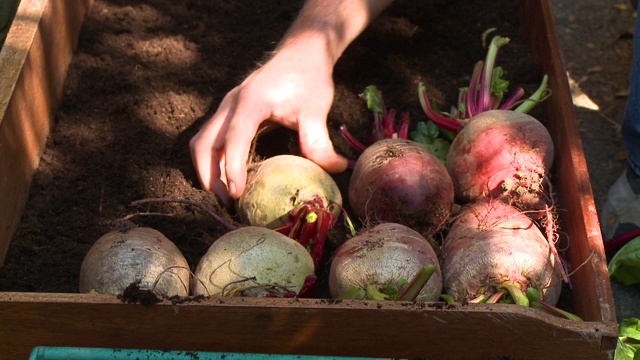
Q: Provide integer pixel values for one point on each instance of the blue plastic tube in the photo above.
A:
(82, 353)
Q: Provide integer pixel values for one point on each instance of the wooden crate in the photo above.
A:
(34, 62)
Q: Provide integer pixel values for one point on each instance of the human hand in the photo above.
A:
(294, 89)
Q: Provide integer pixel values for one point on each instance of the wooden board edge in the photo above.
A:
(16, 47)
(34, 59)
(593, 297)
(297, 326)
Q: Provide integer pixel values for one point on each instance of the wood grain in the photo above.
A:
(592, 295)
(34, 61)
(296, 326)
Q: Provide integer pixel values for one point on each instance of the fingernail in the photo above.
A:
(232, 188)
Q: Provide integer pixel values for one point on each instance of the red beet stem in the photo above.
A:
(493, 299)
(307, 230)
(619, 241)
(309, 224)
(351, 139)
(472, 106)
(403, 129)
(435, 116)
(308, 287)
(513, 99)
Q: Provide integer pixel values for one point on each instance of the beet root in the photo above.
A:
(502, 154)
(397, 180)
(385, 257)
(493, 248)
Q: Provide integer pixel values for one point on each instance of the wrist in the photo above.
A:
(308, 48)
(329, 26)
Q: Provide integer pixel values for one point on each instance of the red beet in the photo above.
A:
(493, 250)
(397, 180)
(502, 154)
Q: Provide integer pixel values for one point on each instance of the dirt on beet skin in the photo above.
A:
(147, 74)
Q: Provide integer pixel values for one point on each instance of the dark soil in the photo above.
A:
(145, 76)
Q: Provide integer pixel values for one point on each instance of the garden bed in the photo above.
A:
(143, 79)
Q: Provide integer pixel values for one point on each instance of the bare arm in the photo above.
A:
(335, 22)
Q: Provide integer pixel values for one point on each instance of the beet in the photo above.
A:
(397, 180)
(493, 249)
(502, 154)
(256, 262)
(293, 196)
(383, 259)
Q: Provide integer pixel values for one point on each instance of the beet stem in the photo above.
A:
(436, 117)
(351, 139)
(535, 98)
(516, 293)
(378, 133)
(418, 282)
(374, 294)
(471, 97)
(309, 224)
(478, 299)
(513, 99)
(306, 231)
(461, 110)
(618, 241)
(324, 222)
(308, 287)
(403, 129)
(410, 293)
(493, 299)
(486, 78)
(388, 124)
(549, 309)
(353, 293)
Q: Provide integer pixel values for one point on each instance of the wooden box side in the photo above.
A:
(299, 327)
(34, 61)
(592, 295)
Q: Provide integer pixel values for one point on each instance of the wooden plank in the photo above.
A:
(592, 295)
(34, 61)
(296, 326)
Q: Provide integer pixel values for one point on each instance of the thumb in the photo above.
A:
(316, 146)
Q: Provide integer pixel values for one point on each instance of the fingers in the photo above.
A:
(207, 151)
(242, 129)
(221, 148)
(316, 145)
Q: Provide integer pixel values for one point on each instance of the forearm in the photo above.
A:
(332, 24)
